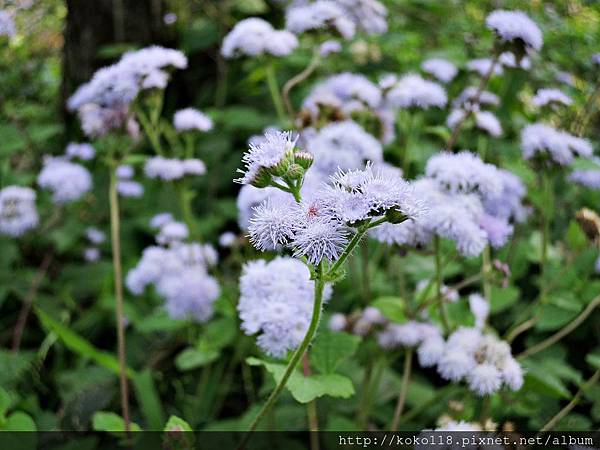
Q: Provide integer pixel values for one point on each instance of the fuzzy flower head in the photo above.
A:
(414, 91)
(442, 69)
(552, 97)
(95, 236)
(103, 102)
(545, 142)
(169, 169)
(343, 145)
(515, 28)
(172, 233)
(321, 14)
(368, 15)
(267, 157)
(589, 178)
(191, 119)
(482, 66)
(18, 213)
(255, 37)
(468, 99)
(463, 172)
(7, 24)
(482, 360)
(82, 151)
(276, 301)
(179, 275)
(66, 180)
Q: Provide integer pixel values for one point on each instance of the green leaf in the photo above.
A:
(19, 421)
(593, 359)
(392, 308)
(305, 389)
(5, 402)
(149, 400)
(251, 7)
(159, 321)
(576, 237)
(13, 366)
(111, 422)
(543, 382)
(553, 317)
(192, 358)
(177, 424)
(329, 349)
(219, 333)
(79, 345)
(503, 298)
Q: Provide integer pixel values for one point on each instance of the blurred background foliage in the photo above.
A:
(64, 371)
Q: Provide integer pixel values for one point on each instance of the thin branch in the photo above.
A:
(299, 78)
(482, 84)
(571, 326)
(403, 389)
(28, 301)
(567, 409)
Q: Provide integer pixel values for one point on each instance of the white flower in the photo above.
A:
(18, 213)
(515, 27)
(440, 68)
(68, 181)
(255, 37)
(544, 97)
(413, 91)
(191, 119)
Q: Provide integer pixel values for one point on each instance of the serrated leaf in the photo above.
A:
(111, 422)
(392, 308)
(305, 389)
(329, 349)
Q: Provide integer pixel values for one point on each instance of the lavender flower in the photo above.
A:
(482, 66)
(344, 145)
(463, 172)
(276, 300)
(466, 99)
(441, 69)
(18, 213)
(179, 275)
(273, 150)
(83, 151)
(251, 197)
(480, 308)
(191, 119)
(91, 254)
(586, 178)
(272, 225)
(95, 236)
(320, 239)
(482, 360)
(413, 91)
(227, 239)
(172, 233)
(254, 37)
(508, 59)
(160, 220)
(68, 181)
(545, 97)
(540, 140)
(130, 189)
(319, 15)
(329, 47)
(516, 28)
(369, 15)
(7, 24)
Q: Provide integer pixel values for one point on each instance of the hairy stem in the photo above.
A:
(296, 356)
(275, 95)
(299, 78)
(439, 283)
(403, 389)
(571, 326)
(118, 274)
(351, 246)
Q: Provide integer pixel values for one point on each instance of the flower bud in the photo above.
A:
(304, 159)
(295, 171)
(394, 216)
(262, 178)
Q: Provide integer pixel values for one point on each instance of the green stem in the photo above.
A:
(486, 268)
(275, 94)
(186, 209)
(344, 256)
(403, 389)
(546, 211)
(118, 274)
(439, 283)
(296, 357)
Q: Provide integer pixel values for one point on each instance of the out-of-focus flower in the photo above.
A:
(191, 119)
(255, 37)
(321, 14)
(413, 91)
(516, 28)
(544, 97)
(68, 181)
(442, 69)
(18, 213)
(83, 151)
(541, 140)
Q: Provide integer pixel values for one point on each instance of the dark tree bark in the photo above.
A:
(92, 24)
